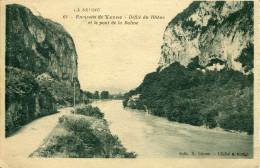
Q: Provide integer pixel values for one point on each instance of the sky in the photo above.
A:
(112, 57)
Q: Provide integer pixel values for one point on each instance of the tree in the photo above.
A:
(104, 95)
(96, 95)
(247, 57)
(194, 63)
(89, 94)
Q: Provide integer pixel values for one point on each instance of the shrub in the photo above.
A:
(90, 111)
(246, 57)
(78, 136)
(25, 100)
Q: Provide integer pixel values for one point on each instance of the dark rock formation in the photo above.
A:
(43, 52)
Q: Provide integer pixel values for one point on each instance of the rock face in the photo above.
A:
(40, 45)
(205, 75)
(210, 30)
(41, 67)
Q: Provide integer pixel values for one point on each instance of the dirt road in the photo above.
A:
(30, 136)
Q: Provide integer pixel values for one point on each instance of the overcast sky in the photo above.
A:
(113, 57)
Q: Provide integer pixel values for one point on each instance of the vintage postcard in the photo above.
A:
(129, 83)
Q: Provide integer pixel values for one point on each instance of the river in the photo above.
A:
(156, 137)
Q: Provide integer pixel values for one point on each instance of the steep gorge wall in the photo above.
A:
(41, 66)
(205, 75)
(209, 30)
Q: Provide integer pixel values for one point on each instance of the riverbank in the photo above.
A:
(186, 95)
(156, 137)
(216, 129)
(82, 134)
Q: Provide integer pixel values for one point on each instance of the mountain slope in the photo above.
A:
(205, 74)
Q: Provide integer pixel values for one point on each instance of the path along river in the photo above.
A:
(156, 137)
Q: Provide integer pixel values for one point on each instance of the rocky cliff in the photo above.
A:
(213, 30)
(205, 75)
(40, 45)
(41, 66)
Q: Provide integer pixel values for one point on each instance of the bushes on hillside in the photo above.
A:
(62, 91)
(215, 98)
(29, 97)
(24, 100)
(246, 57)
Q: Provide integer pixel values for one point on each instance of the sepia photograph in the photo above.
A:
(132, 84)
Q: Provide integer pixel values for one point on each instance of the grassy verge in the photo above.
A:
(82, 134)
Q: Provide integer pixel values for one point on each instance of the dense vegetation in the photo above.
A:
(246, 58)
(25, 99)
(85, 135)
(90, 111)
(104, 95)
(28, 97)
(96, 95)
(212, 98)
